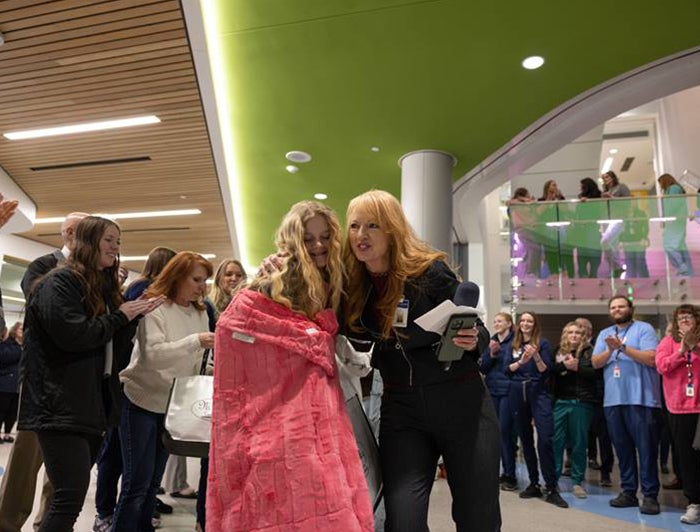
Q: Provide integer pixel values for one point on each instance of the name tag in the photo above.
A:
(690, 390)
(616, 372)
(311, 331)
(401, 314)
(243, 337)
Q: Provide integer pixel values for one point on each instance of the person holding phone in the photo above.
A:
(429, 408)
(528, 367)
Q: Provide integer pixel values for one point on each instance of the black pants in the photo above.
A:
(683, 431)
(598, 436)
(68, 457)
(455, 420)
(8, 410)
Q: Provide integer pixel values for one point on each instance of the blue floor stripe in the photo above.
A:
(598, 503)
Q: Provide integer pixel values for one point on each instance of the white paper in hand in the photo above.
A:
(435, 320)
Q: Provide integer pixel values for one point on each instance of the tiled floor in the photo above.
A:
(592, 514)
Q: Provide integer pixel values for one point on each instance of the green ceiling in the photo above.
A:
(336, 77)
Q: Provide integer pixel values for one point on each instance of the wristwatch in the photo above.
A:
(622, 348)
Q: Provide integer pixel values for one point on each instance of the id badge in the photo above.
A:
(401, 315)
(516, 354)
(616, 372)
(690, 390)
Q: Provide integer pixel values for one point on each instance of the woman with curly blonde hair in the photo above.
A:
(283, 455)
(230, 276)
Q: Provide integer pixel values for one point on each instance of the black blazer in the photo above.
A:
(38, 268)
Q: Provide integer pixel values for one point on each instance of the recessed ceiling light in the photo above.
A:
(533, 62)
(291, 168)
(127, 215)
(612, 151)
(81, 128)
(320, 196)
(297, 156)
(375, 149)
(10, 298)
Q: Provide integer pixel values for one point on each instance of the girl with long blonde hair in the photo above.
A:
(280, 430)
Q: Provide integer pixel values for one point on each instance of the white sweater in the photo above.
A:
(167, 346)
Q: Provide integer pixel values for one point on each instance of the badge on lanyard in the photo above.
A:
(690, 390)
(616, 372)
(516, 353)
(401, 315)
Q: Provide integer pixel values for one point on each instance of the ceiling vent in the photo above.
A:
(626, 165)
(626, 135)
(84, 164)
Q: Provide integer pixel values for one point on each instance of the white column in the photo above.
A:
(426, 195)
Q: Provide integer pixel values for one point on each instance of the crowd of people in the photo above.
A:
(97, 360)
(617, 375)
(590, 239)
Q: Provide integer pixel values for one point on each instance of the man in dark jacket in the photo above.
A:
(19, 481)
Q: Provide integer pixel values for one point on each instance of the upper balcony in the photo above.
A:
(646, 247)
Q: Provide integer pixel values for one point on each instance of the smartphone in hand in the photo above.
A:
(448, 350)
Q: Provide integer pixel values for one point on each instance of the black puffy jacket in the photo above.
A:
(62, 380)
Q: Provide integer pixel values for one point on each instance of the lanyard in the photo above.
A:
(624, 339)
(689, 366)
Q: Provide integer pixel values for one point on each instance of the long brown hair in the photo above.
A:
(666, 181)
(519, 340)
(83, 261)
(409, 257)
(300, 285)
(175, 272)
(685, 309)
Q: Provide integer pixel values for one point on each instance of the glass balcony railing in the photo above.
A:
(647, 247)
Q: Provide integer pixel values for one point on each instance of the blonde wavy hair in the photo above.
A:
(219, 297)
(300, 285)
(409, 257)
(564, 345)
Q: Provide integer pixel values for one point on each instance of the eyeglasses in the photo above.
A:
(685, 317)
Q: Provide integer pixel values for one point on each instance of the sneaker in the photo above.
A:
(592, 464)
(624, 500)
(102, 524)
(605, 481)
(163, 508)
(554, 498)
(155, 523)
(691, 515)
(532, 491)
(650, 506)
(579, 492)
(509, 484)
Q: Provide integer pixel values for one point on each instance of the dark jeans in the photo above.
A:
(8, 410)
(455, 420)
(634, 430)
(109, 469)
(531, 401)
(506, 424)
(144, 458)
(598, 437)
(68, 458)
(683, 431)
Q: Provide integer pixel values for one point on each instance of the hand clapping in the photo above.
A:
(140, 307)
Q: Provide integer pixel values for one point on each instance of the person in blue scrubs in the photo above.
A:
(632, 403)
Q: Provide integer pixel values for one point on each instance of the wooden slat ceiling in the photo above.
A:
(72, 61)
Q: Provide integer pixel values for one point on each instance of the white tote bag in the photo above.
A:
(188, 416)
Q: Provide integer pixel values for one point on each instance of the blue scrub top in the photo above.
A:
(637, 384)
